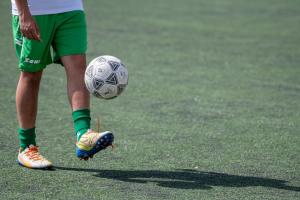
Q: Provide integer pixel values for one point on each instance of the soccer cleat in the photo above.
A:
(92, 142)
(31, 158)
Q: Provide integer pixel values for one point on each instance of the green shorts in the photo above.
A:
(61, 34)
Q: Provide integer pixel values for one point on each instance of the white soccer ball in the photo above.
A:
(106, 77)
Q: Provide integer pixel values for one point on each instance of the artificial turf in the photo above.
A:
(212, 109)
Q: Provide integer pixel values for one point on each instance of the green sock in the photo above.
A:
(82, 122)
(26, 137)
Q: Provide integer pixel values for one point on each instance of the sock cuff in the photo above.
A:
(82, 113)
(26, 132)
(26, 137)
(82, 121)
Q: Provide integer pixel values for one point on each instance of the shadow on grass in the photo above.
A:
(186, 179)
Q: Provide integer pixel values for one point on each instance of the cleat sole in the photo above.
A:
(45, 168)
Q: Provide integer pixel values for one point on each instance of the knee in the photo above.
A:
(32, 77)
(74, 64)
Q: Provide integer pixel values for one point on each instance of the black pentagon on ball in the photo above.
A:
(114, 65)
(97, 83)
(112, 79)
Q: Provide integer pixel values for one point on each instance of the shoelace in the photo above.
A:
(90, 139)
(98, 124)
(33, 153)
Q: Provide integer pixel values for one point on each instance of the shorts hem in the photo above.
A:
(32, 68)
(58, 59)
(72, 53)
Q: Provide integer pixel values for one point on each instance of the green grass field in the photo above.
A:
(212, 109)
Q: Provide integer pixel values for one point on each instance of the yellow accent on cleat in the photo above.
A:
(89, 139)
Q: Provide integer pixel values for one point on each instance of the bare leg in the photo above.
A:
(27, 98)
(27, 104)
(79, 97)
(75, 66)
